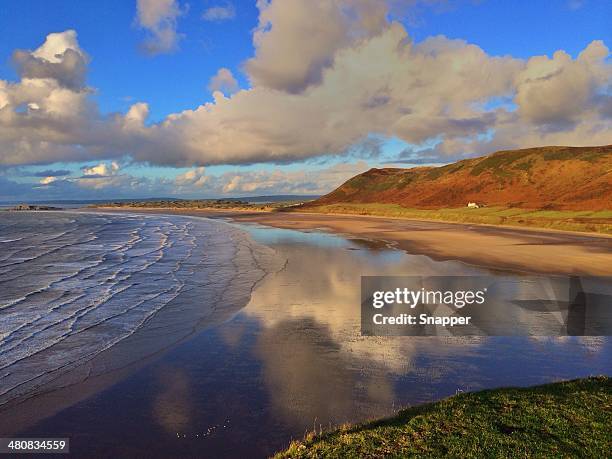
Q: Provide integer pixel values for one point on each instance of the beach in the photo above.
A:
(276, 355)
(329, 228)
(504, 248)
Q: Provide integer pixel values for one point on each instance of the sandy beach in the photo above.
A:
(241, 363)
(503, 248)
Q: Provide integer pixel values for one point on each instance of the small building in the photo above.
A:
(472, 205)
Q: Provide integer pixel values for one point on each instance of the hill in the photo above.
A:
(548, 178)
(566, 419)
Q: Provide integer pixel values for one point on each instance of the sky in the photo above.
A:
(213, 98)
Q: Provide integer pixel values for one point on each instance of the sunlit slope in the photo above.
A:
(564, 178)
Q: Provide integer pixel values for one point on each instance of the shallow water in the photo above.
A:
(73, 285)
(292, 360)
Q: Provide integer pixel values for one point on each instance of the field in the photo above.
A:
(567, 419)
(566, 220)
(202, 204)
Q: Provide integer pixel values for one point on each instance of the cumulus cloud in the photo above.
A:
(47, 180)
(137, 114)
(316, 181)
(256, 182)
(385, 85)
(159, 18)
(101, 170)
(59, 58)
(297, 39)
(102, 175)
(192, 178)
(196, 181)
(326, 76)
(47, 116)
(223, 81)
(103, 181)
(220, 12)
(558, 91)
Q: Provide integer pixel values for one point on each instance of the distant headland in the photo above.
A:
(31, 207)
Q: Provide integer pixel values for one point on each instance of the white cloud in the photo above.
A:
(223, 81)
(297, 39)
(47, 180)
(103, 175)
(192, 178)
(107, 178)
(101, 169)
(220, 12)
(59, 58)
(159, 18)
(118, 183)
(385, 85)
(307, 181)
(561, 90)
(362, 76)
(137, 114)
(239, 182)
(48, 114)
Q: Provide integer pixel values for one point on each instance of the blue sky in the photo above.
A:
(120, 73)
(109, 33)
(174, 82)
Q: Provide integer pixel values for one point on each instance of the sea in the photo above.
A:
(75, 284)
(174, 336)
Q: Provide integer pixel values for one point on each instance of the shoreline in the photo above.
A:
(237, 273)
(532, 250)
(216, 211)
(299, 327)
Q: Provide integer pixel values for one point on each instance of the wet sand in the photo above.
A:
(503, 248)
(291, 361)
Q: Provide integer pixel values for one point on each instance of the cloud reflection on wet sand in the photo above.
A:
(316, 363)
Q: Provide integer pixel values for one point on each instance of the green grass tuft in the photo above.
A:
(497, 162)
(566, 220)
(566, 419)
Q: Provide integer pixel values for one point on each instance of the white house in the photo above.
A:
(472, 205)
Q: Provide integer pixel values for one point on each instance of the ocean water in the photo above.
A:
(73, 285)
(261, 343)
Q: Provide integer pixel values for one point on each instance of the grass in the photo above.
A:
(566, 419)
(567, 220)
(499, 162)
(202, 204)
(585, 221)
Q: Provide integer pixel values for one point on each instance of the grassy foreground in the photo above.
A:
(566, 419)
(566, 220)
